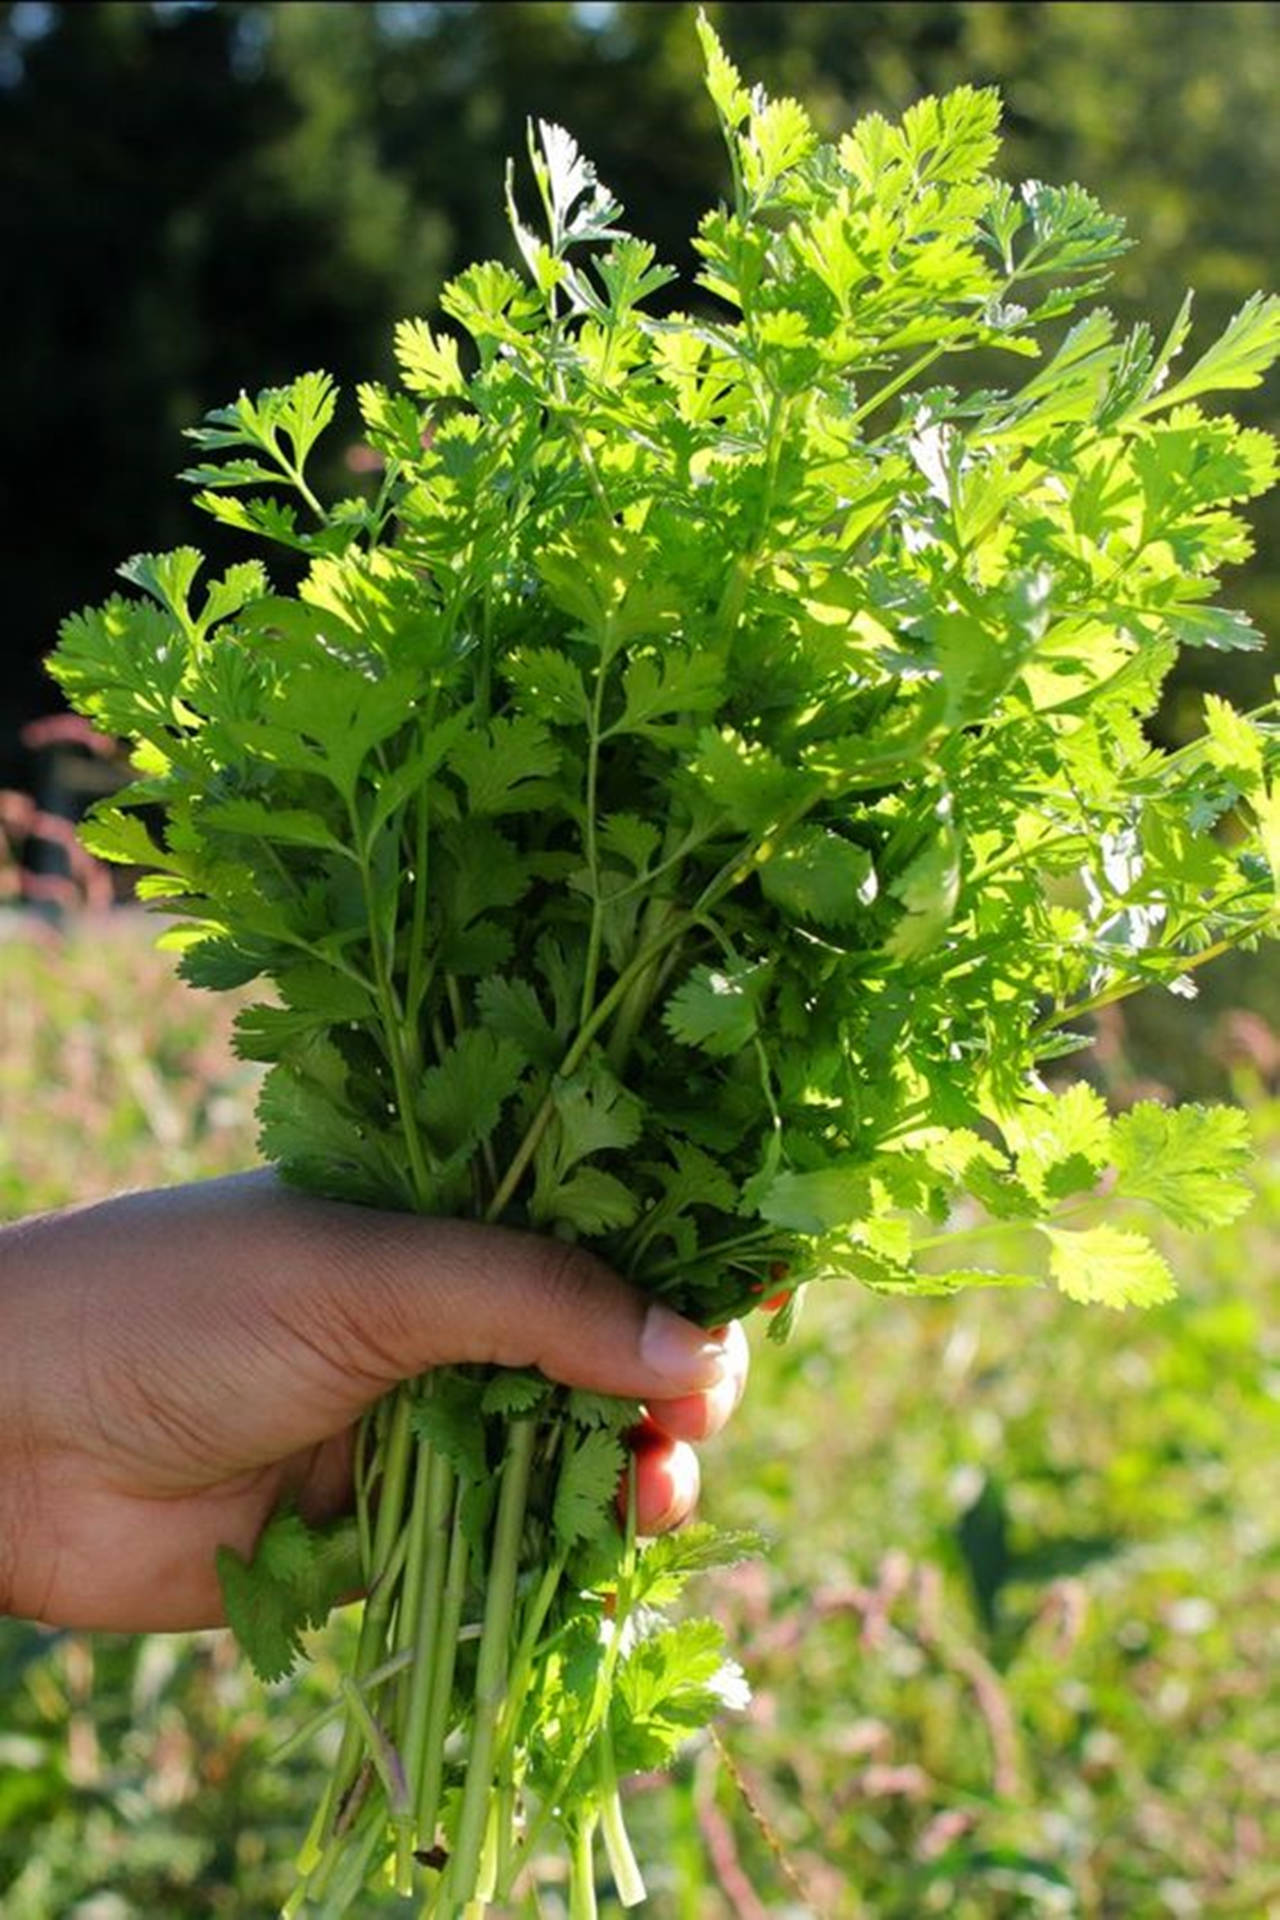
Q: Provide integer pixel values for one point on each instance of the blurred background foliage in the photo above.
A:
(1014, 1648)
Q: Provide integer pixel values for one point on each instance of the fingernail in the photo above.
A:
(683, 1355)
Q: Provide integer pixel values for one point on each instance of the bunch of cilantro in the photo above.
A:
(682, 809)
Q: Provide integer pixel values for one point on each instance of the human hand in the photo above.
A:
(173, 1364)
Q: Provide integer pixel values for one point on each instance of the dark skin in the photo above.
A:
(172, 1364)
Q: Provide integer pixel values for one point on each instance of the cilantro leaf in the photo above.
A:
(460, 1098)
(513, 1392)
(602, 1410)
(1238, 358)
(587, 1483)
(671, 1560)
(504, 768)
(428, 361)
(668, 1687)
(1187, 1161)
(717, 1008)
(1062, 1143)
(590, 1201)
(1107, 1264)
(819, 876)
(449, 1416)
(296, 1575)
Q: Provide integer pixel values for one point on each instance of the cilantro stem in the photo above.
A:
(454, 996)
(385, 1759)
(491, 1669)
(582, 1872)
(983, 1230)
(730, 874)
(989, 1229)
(639, 996)
(353, 1863)
(312, 1725)
(437, 1479)
(440, 1684)
(1123, 989)
(517, 1684)
(715, 1250)
(360, 1476)
(899, 381)
(295, 474)
(387, 1543)
(418, 923)
(586, 1034)
(527, 1646)
(742, 864)
(599, 1707)
(590, 847)
(685, 843)
(627, 1877)
(393, 1032)
(505, 1807)
(415, 1559)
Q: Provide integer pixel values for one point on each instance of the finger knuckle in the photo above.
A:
(359, 1315)
(570, 1283)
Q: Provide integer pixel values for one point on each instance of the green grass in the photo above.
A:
(1013, 1648)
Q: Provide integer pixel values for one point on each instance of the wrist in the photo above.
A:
(10, 1452)
(16, 1449)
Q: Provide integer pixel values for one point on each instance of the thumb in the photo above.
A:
(400, 1294)
(271, 1320)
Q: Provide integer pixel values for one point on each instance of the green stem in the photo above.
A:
(504, 1864)
(312, 1725)
(603, 1012)
(582, 1872)
(598, 1710)
(590, 849)
(311, 1851)
(384, 1756)
(491, 1670)
(627, 1878)
(356, 1856)
(522, 1661)
(899, 381)
(427, 1626)
(360, 1476)
(440, 1695)
(991, 1229)
(386, 1543)
(1122, 989)
(417, 1623)
(760, 1237)
(516, 1688)
(392, 1021)
(639, 995)
(295, 474)
(487, 1876)
(623, 1864)
(416, 1553)
(418, 924)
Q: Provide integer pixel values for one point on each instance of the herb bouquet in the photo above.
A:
(681, 812)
